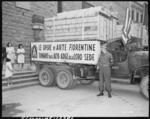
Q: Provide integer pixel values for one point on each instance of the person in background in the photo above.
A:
(11, 53)
(104, 63)
(9, 72)
(20, 59)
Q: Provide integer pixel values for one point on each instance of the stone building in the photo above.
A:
(119, 8)
(18, 19)
(22, 21)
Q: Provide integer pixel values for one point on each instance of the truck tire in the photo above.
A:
(144, 87)
(87, 82)
(74, 83)
(64, 79)
(55, 75)
(46, 77)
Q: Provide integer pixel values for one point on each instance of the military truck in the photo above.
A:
(72, 48)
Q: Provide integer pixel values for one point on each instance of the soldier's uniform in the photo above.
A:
(105, 72)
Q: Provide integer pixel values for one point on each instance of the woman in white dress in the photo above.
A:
(21, 58)
(11, 53)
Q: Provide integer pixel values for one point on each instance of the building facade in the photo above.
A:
(17, 21)
(119, 8)
(18, 18)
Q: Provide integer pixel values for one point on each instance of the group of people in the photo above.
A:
(10, 56)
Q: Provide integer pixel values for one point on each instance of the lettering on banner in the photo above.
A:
(47, 47)
(43, 55)
(67, 51)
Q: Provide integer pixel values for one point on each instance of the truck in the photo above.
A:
(72, 48)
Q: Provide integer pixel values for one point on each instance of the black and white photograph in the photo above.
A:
(72, 59)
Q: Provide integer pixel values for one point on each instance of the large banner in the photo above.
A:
(80, 52)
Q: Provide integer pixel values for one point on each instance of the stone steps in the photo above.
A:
(20, 79)
(23, 80)
(18, 73)
(22, 85)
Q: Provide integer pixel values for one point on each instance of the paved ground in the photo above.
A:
(81, 101)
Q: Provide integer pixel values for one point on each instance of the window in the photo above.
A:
(137, 17)
(132, 14)
(118, 51)
(86, 5)
(24, 5)
(59, 6)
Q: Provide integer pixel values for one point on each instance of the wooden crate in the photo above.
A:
(80, 22)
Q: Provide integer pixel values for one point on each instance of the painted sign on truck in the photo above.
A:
(79, 52)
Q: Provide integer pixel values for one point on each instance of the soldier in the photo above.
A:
(104, 71)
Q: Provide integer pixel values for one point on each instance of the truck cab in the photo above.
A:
(129, 60)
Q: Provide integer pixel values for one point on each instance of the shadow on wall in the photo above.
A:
(9, 110)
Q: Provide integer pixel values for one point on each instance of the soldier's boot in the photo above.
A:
(109, 94)
(101, 93)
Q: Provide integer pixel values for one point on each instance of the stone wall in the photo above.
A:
(17, 22)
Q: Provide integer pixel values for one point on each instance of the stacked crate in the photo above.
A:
(118, 32)
(135, 31)
(92, 23)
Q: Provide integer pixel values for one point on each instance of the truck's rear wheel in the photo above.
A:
(46, 77)
(74, 83)
(87, 81)
(55, 75)
(144, 87)
(64, 79)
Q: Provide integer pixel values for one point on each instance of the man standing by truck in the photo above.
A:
(104, 63)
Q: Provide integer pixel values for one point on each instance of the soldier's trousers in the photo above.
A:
(104, 76)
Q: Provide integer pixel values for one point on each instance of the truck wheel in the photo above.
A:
(74, 83)
(144, 87)
(55, 75)
(64, 79)
(87, 82)
(46, 77)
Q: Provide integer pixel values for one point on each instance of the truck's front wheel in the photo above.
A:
(46, 77)
(64, 79)
(144, 86)
(87, 81)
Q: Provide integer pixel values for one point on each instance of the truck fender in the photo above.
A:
(135, 70)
